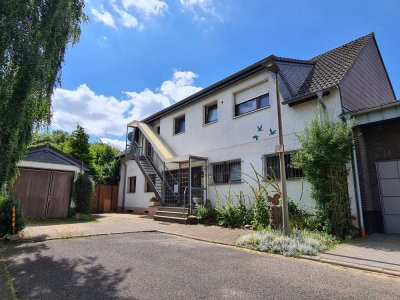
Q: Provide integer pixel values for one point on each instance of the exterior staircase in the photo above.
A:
(172, 214)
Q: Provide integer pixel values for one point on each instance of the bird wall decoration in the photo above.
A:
(272, 132)
(255, 137)
(259, 128)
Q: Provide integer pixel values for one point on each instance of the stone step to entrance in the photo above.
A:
(172, 214)
(170, 219)
(174, 209)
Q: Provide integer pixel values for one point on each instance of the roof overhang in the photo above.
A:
(375, 114)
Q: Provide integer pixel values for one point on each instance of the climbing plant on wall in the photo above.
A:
(325, 150)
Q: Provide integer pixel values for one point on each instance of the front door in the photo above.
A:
(389, 183)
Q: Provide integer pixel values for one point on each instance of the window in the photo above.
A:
(227, 171)
(158, 129)
(252, 104)
(147, 187)
(272, 168)
(132, 184)
(179, 126)
(211, 113)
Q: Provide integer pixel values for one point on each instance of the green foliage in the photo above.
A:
(7, 202)
(206, 214)
(325, 149)
(33, 41)
(105, 166)
(80, 147)
(58, 139)
(300, 242)
(298, 217)
(83, 192)
(260, 213)
(228, 215)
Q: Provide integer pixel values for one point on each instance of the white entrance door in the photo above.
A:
(389, 182)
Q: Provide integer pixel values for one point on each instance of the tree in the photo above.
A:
(80, 147)
(33, 41)
(325, 150)
(106, 167)
(58, 139)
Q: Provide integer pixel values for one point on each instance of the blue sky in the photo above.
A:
(138, 56)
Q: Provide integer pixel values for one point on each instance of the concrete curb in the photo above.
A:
(305, 257)
(351, 265)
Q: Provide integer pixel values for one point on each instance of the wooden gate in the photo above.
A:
(44, 193)
(105, 198)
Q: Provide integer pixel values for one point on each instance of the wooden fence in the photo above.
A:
(105, 198)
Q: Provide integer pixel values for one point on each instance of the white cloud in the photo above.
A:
(103, 16)
(147, 7)
(127, 20)
(114, 142)
(202, 9)
(106, 116)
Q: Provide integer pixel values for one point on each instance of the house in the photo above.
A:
(44, 186)
(205, 146)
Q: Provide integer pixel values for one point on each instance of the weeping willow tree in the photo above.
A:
(34, 36)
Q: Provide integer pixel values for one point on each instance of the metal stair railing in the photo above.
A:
(161, 170)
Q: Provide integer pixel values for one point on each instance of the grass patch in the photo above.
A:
(298, 243)
(9, 280)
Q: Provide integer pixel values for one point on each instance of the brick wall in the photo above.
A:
(375, 142)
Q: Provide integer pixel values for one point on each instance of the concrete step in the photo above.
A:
(174, 209)
(172, 214)
(170, 219)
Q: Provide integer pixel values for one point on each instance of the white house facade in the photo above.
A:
(209, 145)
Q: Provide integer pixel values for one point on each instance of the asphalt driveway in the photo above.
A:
(161, 266)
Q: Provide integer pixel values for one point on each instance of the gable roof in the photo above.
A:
(48, 154)
(299, 79)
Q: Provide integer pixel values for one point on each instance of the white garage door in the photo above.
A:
(389, 182)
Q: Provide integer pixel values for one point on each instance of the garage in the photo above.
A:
(378, 160)
(389, 183)
(44, 186)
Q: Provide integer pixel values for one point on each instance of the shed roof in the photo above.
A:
(48, 154)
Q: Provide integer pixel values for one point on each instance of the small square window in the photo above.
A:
(179, 126)
(211, 113)
(273, 170)
(132, 184)
(227, 172)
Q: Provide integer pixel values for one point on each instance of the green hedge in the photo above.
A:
(7, 202)
(83, 192)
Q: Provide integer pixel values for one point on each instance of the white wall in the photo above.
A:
(139, 199)
(232, 137)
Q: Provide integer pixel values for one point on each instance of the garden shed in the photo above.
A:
(44, 185)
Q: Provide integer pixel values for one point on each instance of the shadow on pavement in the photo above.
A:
(40, 276)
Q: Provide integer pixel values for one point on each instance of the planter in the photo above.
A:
(153, 210)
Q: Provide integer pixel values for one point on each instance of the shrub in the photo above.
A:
(7, 202)
(228, 215)
(298, 217)
(83, 192)
(300, 242)
(260, 213)
(325, 150)
(206, 214)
